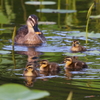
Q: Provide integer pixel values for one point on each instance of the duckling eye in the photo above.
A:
(68, 59)
(30, 67)
(44, 63)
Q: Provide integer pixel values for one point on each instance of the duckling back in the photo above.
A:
(54, 67)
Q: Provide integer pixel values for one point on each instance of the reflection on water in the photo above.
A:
(84, 83)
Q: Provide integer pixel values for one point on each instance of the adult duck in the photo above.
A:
(29, 33)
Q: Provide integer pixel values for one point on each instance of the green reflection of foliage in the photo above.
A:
(87, 84)
(13, 57)
(13, 36)
(90, 35)
(71, 18)
(3, 18)
(88, 19)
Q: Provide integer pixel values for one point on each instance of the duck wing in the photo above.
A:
(21, 32)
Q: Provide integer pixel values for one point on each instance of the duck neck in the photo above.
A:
(31, 29)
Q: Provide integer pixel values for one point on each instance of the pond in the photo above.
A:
(60, 29)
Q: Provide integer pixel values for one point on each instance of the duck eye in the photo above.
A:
(31, 20)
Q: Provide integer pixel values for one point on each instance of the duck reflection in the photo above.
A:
(32, 54)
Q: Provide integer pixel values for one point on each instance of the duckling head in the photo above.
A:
(32, 22)
(68, 61)
(44, 63)
(30, 69)
(30, 66)
(76, 43)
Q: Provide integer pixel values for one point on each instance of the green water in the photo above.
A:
(82, 84)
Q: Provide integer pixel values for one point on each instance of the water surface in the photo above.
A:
(83, 84)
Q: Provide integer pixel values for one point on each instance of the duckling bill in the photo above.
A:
(45, 65)
(76, 47)
(29, 33)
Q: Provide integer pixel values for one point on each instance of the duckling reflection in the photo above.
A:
(45, 65)
(76, 47)
(74, 65)
(30, 34)
(29, 81)
(43, 75)
(68, 74)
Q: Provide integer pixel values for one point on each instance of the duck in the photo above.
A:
(30, 70)
(47, 66)
(74, 64)
(76, 47)
(30, 33)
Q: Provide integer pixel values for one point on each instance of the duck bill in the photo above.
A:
(36, 28)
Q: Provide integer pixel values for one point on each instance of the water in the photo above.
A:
(82, 84)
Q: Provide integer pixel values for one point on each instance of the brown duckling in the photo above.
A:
(73, 64)
(29, 33)
(30, 71)
(45, 65)
(76, 47)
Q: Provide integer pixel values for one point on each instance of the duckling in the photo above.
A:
(45, 65)
(29, 33)
(30, 71)
(74, 64)
(76, 47)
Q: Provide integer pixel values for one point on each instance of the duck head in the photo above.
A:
(32, 22)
